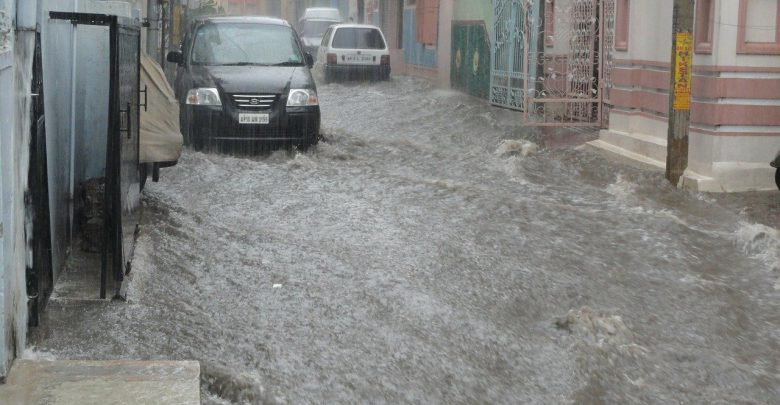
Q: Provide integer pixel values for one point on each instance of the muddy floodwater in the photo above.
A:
(426, 252)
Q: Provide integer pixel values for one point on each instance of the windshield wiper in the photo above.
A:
(288, 63)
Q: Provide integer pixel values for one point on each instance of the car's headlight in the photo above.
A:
(302, 98)
(203, 96)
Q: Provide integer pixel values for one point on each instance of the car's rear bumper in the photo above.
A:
(358, 70)
(300, 125)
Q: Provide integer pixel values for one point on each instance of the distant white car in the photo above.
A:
(320, 13)
(313, 24)
(354, 51)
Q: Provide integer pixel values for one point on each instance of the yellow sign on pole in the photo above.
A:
(683, 65)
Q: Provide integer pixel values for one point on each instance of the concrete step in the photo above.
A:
(625, 156)
(102, 382)
(640, 144)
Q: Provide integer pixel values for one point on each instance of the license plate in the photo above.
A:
(358, 58)
(252, 118)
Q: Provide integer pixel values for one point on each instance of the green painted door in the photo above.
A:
(470, 62)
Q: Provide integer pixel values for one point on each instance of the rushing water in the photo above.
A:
(411, 257)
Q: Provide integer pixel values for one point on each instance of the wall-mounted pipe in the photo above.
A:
(72, 138)
(776, 164)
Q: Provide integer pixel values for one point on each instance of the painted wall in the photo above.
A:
(6, 135)
(474, 11)
(725, 35)
(416, 53)
(649, 42)
(16, 52)
(650, 31)
(735, 117)
(444, 48)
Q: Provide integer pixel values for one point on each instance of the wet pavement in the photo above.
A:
(417, 256)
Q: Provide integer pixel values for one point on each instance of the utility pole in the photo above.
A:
(153, 30)
(680, 90)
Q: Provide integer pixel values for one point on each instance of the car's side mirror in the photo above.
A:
(309, 60)
(175, 57)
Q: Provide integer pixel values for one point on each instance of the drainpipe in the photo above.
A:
(72, 188)
(165, 15)
(776, 164)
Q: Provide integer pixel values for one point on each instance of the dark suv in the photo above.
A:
(245, 82)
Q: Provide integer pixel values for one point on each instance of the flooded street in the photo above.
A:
(417, 256)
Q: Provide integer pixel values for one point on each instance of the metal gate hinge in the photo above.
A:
(128, 121)
(146, 98)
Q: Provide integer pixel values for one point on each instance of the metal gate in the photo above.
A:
(123, 190)
(509, 67)
(554, 69)
(122, 194)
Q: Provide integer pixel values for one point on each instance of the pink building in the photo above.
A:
(735, 110)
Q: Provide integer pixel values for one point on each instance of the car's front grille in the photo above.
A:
(254, 101)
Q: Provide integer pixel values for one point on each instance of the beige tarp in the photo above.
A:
(161, 140)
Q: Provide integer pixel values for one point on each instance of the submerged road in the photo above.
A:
(412, 258)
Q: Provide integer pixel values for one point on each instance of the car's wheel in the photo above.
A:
(328, 76)
(777, 178)
(196, 142)
(184, 124)
(193, 139)
(143, 173)
(304, 146)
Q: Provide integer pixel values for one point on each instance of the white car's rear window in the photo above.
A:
(358, 38)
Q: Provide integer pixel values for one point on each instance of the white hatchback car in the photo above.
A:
(354, 50)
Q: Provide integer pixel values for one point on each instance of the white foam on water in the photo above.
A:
(511, 147)
(597, 327)
(761, 242)
(622, 189)
(31, 353)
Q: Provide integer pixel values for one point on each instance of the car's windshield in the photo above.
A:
(315, 28)
(358, 38)
(245, 44)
